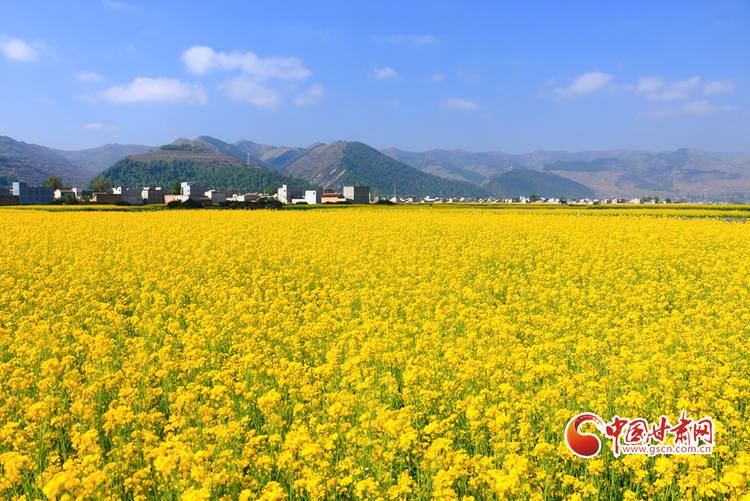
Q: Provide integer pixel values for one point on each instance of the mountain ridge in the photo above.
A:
(691, 173)
(610, 173)
(33, 164)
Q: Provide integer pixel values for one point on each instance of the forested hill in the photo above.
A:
(367, 166)
(133, 173)
(519, 181)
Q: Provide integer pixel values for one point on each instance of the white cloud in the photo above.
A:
(649, 85)
(454, 103)
(312, 96)
(116, 5)
(406, 39)
(384, 74)
(250, 91)
(655, 90)
(98, 126)
(15, 48)
(88, 76)
(585, 84)
(469, 78)
(201, 59)
(156, 90)
(695, 108)
(436, 79)
(720, 87)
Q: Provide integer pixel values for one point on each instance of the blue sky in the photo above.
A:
(480, 76)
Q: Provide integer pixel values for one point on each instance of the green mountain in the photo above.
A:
(519, 181)
(189, 161)
(337, 164)
(32, 164)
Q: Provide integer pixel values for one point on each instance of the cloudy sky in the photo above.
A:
(479, 75)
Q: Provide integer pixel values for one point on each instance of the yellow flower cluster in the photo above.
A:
(365, 353)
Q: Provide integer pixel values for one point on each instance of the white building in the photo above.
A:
(153, 195)
(66, 192)
(218, 196)
(286, 193)
(312, 197)
(247, 197)
(132, 196)
(192, 189)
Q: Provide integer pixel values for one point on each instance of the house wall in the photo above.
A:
(357, 194)
(32, 195)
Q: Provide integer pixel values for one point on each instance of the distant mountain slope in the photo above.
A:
(519, 181)
(211, 144)
(163, 167)
(454, 162)
(256, 150)
(281, 157)
(599, 165)
(431, 165)
(321, 165)
(96, 160)
(680, 174)
(336, 164)
(32, 164)
(275, 157)
(488, 162)
(683, 173)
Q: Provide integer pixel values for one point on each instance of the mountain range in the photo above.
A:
(685, 173)
(32, 163)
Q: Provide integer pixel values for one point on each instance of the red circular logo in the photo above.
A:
(584, 445)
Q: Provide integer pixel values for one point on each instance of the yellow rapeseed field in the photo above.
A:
(365, 353)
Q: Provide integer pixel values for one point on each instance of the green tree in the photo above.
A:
(534, 198)
(176, 189)
(53, 182)
(272, 189)
(102, 184)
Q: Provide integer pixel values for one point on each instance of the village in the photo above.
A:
(22, 194)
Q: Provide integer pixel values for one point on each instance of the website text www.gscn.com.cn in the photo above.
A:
(654, 450)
